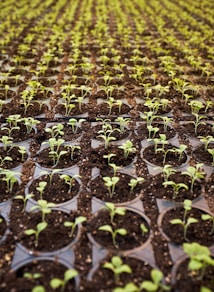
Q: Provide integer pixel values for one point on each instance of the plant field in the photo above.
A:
(107, 145)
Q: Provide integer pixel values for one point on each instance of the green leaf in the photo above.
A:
(80, 219)
(149, 286)
(30, 231)
(106, 228)
(41, 226)
(176, 221)
(157, 276)
(55, 283)
(70, 274)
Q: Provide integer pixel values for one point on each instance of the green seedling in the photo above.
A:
(208, 217)
(4, 159)
(114, 233)
(7, 143)
(123, 122)
(69, 180)
(167, 171)
(24, 199)
(56, 283)
(39, 228)
(113, 211)
(156, 282)
(152, 131)
(41, 188)
(50, 174)
(211, 152)
(10, 179)
(195, 174)
(127, 148)
(107, 138)
(22, 150)
(74, 224)
(180, 150)
(159, 141)
(143, 228)
(55, 131)
(44, 207)
(115, 168)
(198, 121)
(200, 258)
(72, 149)
(165, 153)
(110, 183)
(196, 106)
(117, 267)
(108, 157)
(32, 277)
(190, 220)
(206, 140)
(176, 187)
(134, 181)
(30, 123)
(149, 117)
(74, 123)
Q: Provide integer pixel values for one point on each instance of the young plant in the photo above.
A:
(39, 228)
(127, 148)
(22, 150)
(114, 233)
(44, 207)
(176, 187)
(143, 228)
(108, 157)
(30, 124)
(206, 140)
(198, 121)
(72, 149)
(113, 211)
(55, 131)
(24, 199)
(180, 150)
(200, 258)
(41, 188)
(195, 174)
(211, 152)
(7, 143)
(117, 267)
(110, 183)
(123, 122)
(156, 282)
(152, 131)
(134, 181)
(74, 123)
(186, 221)
(10, 179)
(208, 217)
(56, 283)
(74, 224)
(115, 168)
(69, 180)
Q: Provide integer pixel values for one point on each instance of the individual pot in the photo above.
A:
(157, 159)
(133, 221)
(65, 161)
(54, 239)
(56, 190)
(183, 279)
(47, 267)
(100, 278)
(122, 193)
(199, 232)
